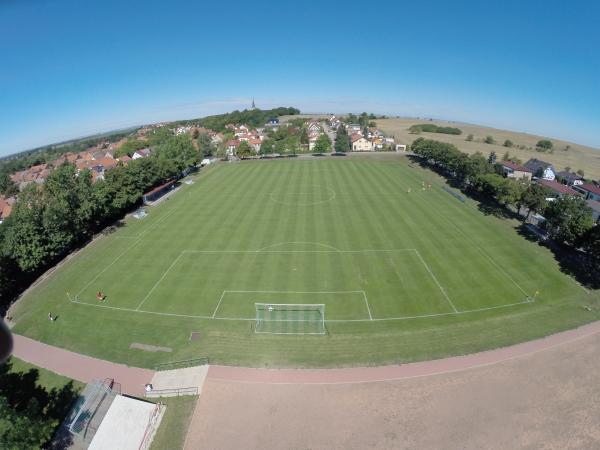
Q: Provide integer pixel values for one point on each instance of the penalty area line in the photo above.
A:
(436, 280)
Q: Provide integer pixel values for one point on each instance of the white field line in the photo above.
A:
(218, 304)
(159, 280)
(436, 280)
(245, 319)
(106, 268)
(138, 240)
(303, 251)
(294, 292)
(367, 303)
(484, 253)
(298, 243)
(303, 334)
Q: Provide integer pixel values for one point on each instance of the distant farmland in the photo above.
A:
(576, 157)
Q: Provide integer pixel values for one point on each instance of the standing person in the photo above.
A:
(50, 317)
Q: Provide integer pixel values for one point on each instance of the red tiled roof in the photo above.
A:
(514, 166)
(233, 143)
(590, 188)
(107, 163)
(558, 187)
(355, 137)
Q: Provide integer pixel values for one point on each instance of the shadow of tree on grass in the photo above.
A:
(25, 396)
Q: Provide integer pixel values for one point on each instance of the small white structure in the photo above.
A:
(143, 153)
(129, 424)
(400, 147)
(205, 162)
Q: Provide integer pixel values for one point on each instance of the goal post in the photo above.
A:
(290, 318)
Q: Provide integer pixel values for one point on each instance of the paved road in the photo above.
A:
(80, 367)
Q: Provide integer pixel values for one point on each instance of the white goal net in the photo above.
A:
(288, 318)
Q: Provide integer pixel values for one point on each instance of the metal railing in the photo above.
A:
(182, 364)
(175, 392)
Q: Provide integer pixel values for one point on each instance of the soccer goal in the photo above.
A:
(288, 318)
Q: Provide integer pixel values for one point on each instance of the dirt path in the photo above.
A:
(543, 394)
(80, 367)
(398, 372)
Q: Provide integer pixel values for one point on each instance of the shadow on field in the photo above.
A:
(571, 261)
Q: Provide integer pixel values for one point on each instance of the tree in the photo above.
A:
(568, 219)
(508, 143)
(469, 138)
(590, 243)
(342, 141)
(23, 429)
(534, 198)
(267, 146)
(372, 124)
(581, 173)
(304, 136)
(244, 149)
(489, 140)
(8, 188)
(492, 158)
(205, 144)
(544, 145)
(323, 144)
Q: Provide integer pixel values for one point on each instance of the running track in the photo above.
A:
(133, 379)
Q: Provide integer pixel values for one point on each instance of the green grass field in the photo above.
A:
(403, 275)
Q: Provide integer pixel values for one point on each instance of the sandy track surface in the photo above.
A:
(547, 398)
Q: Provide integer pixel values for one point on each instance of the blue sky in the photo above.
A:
(73, 68)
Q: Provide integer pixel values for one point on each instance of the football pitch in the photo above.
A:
(405, 271)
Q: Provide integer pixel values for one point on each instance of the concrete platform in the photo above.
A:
(186, 381)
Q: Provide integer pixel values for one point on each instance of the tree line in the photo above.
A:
(250, 117)
(568, 220)
(48, 221)
(431, 128)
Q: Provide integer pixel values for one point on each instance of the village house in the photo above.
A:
(541, 169)
(255, 144)
(125, 159)
(352, 128)
(361, 144)
(569, 178)
(590, 191)
(516, 171)
(143, 153)
(6, 205)
(232, 146)
(557, 189)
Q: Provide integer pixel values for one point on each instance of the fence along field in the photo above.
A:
(356, 241)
